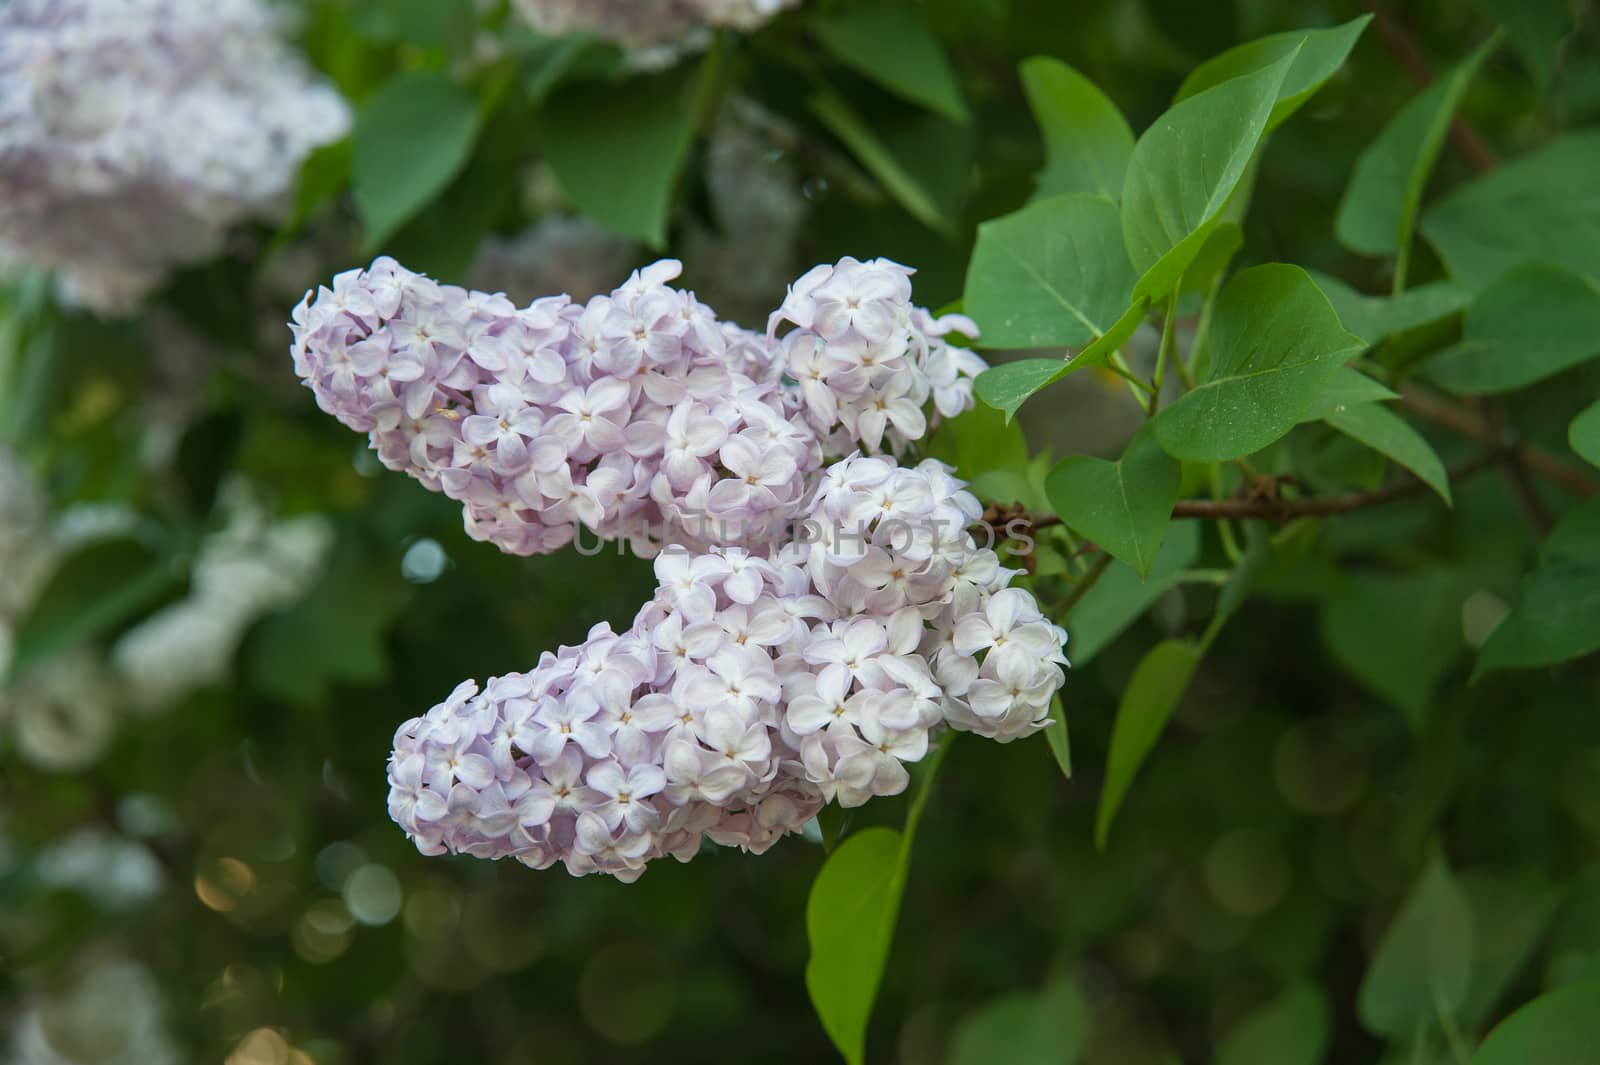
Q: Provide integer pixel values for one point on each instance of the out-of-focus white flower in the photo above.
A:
(114, 872)
(246, 570)
(133, 133)
(655, 34)
(112, 1015)
(641, 23)
(61, 714)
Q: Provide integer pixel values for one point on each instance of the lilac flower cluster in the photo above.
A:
(866, 360)
(639, 23)
(637, 415)
(747, 694)
(134, 132)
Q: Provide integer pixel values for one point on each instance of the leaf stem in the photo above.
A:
(1087, 581)
(1161, 353)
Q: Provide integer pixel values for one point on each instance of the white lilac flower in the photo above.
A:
(243, 571)
(637, 415)
(61, 714)
(114, 872)
(747, 694)
(865, 358)
(133, 133)
(641, 23)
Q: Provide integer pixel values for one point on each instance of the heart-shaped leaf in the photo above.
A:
(1053, 274)
(1123, 506)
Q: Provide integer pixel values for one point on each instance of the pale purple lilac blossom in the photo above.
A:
(746, 695)
(637, 415)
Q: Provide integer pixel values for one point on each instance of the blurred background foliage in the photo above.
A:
(1330, 762)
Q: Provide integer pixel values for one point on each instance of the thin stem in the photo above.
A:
(1117, 366)
(1161, 353)
(1230, 543)
(1087, 581)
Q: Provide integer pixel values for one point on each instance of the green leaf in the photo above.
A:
(1375, 318)
(1390, 435)
(1322, 53)
(90, 593)
(1119, 597)
(549, 61)
(1218, 250)
(1009, 385)
(1186, 166)
(1424, 962)
(869, 149)
(1397, 633)
(850, 918)
(1349, 388)
(1027, 1028)
(1584, 433)
(1053, 274)
(1511, 911)
(1561, 1025)
(1541, 207)
(1380, 204)
(1276, 344)
(1087, 142)
(1292, 1029)
(1153, 692)
(1534, 322)
(894, 47)
(324, 172)
(1553, 621)
(1056, 735)
(1123, 506)
(979, 441)
(411, 139)
(617, 149)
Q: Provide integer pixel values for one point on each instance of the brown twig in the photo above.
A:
(1464, 422)
(1523, 490)
(1468, 141)
(1283, 510)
